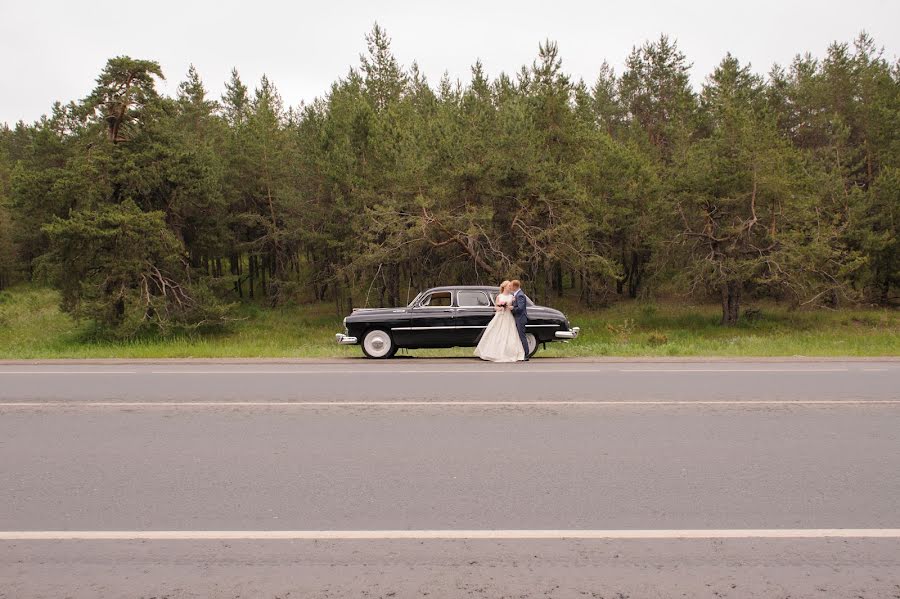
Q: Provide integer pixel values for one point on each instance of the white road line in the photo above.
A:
(43, 372)
(382, 404)
(688, 370)
(452, 371)
(376, 535)
(378, 372)
(485, 371)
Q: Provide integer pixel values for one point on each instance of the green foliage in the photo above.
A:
(9, 266)
(34, 327)
(655, 90)
(8, 263)
(881, 239)
(125, 270)
(637, 186)
(125, 93)
(738, 191)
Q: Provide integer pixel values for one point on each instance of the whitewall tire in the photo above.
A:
(378, 344)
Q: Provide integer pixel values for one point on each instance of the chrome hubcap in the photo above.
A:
(377, 343)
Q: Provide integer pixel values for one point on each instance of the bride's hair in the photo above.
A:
(503, 286)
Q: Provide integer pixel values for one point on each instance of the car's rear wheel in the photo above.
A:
(378, 343)
(532, 344)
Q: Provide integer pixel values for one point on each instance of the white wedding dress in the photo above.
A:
(500, 341)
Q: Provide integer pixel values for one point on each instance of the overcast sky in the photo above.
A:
(54, 50)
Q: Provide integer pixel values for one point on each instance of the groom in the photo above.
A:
(520, 312)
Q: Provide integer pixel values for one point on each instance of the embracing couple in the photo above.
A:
(504, 338)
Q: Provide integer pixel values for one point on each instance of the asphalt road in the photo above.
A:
(450, 478)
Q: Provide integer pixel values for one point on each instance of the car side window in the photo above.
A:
(472, 299)
(438, 299)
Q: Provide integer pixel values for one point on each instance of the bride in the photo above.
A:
(500, 341)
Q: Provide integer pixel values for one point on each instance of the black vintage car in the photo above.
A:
(444, 317)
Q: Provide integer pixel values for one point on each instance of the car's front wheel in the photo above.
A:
(378, 344)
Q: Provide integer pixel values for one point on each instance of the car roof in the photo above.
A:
(488, 288)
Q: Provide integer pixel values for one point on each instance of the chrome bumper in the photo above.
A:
(345, 340)
(570, 334)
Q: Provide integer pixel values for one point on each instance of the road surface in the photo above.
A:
(445, 478)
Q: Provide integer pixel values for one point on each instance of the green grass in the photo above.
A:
(32, 326)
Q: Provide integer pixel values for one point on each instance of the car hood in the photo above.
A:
(375, 311)
(545, 311)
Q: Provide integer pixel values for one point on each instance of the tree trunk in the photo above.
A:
(349, 294)
(731, 303)
(262, 271)
(621, 282)
(548, 284)
(251, 274)
(558, 276)
(393, 282)
(639, 260)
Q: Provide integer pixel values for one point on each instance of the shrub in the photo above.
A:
(656, 339)
(125, 270)
(622, 332)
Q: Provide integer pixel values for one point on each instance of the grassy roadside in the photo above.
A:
(32, 326)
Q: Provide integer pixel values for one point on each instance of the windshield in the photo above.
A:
(415, 299)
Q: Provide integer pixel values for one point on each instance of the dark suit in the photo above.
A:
(520, 313)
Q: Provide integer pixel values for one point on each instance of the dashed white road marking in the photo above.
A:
(377, 535)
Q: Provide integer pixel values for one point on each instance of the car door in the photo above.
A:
(473, 313)
(431, 322)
